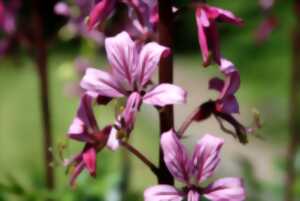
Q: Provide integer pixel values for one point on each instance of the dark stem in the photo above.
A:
(166, 116)
(294, 110)
(140, 156)
(40, 56)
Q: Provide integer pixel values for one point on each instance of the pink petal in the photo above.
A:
(227, 16)
(149, 59)
(100, 82)
(175, 156)
(61, 8)
(162, 193)
(129, 114)
(206, 157)
(100, 12)
(202, 23)
(165, 94)
(227, 189)
(122, 55)
(193, 196)
(89, 158)
(113, 141)
(84, 123)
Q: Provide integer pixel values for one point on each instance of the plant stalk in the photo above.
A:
(166, 116)
(41, 60)
(294, 121)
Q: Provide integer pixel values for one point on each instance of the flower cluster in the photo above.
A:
(132, 65)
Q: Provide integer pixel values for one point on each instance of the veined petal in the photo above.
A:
(193, 195)
(149, 58)
(100, 82)
(206, 157)
(100, 12)
(226, 189)
(165, 94)
(175, 156)
(89, 158)
(162, 193)
(122, 55)
(84, 123)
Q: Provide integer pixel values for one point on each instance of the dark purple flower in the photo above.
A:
(84, 128)
(192, 172)
(132, 68)
(227, 101)
(207, 18)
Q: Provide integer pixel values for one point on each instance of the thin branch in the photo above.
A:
(188, 121)
(140, 156)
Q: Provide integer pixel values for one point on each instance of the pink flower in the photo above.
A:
(84, 128)
(207, 17)
(132, 68)
(192, 172)
(227, 101)
(265, 29)
(143, 15)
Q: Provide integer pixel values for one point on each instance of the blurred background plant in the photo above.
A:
(265, 68)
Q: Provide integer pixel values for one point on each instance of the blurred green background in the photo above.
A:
(265, 73)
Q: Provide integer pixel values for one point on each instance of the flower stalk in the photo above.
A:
(294, 141)
(40, 56)
(166, 115)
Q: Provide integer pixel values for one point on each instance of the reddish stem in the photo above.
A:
(140, 156)
(40, 54)
(294, 142)
(166, 116)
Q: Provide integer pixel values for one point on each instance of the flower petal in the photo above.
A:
(149, 58)
(202, 23)
(227, 16)
(165, 94)
(101, 11)
(193, 195)
(175, 156)
(100, 82)
(122, 55)
(216, 84)
(228, 104)
(113, 141)
(162, 193)
(206, 157)
(89, 158)
(226, 189)
(84, 123)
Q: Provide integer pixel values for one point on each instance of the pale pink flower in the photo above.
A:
(132, 68)
(192, 172)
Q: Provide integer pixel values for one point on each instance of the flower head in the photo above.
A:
(227, 101)
(132, 68)
(84, 128)
(192, 172)
(207, 18)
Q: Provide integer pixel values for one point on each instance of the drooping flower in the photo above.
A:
(143, 15)
(227, 101)
(192, 172)
(84, 128)
(208, 36)
(132, 68)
